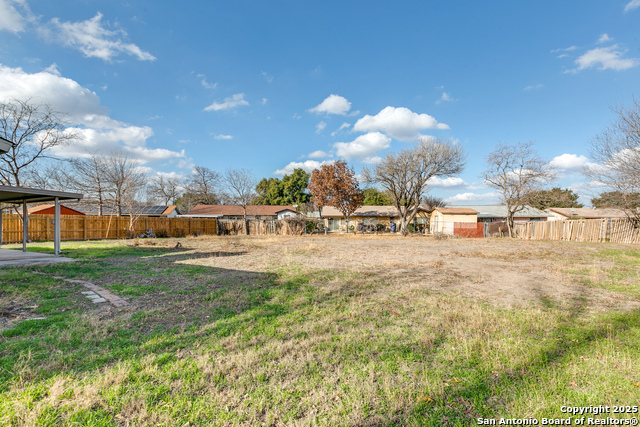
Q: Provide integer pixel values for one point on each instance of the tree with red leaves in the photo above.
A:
(336, 185)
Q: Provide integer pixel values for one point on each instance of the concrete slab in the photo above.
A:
(11, 257)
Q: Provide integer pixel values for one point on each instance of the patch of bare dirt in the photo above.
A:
(502, 272)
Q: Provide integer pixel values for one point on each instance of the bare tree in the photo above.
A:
(617, 152)
(34, 129)
(165, 189)
(431, 202)
(125, 179)
(204, 183)
(90, 177)
(516, 171)
(404, 175)
(240, 185)
(50, 176)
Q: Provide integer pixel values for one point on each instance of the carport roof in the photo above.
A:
(31, 195)
(5, 145)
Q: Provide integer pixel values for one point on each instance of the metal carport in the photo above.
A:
(23, 195)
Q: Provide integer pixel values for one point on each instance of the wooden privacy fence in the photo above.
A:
(261, 227)
(585, 230)
(76, 227)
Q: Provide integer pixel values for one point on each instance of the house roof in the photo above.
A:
(365, 211)
(589, 213)
(500, 211)
(10, 194)
(460, 211)
(234, 210)
(35, 209)
(170, 209)
(92, 209)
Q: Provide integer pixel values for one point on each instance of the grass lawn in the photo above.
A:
(357, 331)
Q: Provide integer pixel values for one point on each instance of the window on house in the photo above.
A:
(333, 224)
(370, 221)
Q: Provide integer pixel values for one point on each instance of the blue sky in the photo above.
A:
(270, 85)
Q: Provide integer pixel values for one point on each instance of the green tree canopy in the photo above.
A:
(374, 197)
(290, 190)
(554, 198)
(294, 187)
(616, 199)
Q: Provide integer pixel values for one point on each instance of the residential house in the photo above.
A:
(443, 218)
(49, 209)
(237, 212)
(157, 211)
(498, 213)
(370, 217)
(584, 213)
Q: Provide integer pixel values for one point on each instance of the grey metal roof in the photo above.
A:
(31, 195)
(500, 211)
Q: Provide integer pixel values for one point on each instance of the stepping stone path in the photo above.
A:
(97, 294)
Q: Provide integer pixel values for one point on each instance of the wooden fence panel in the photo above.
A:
(583, 230)
(76, 227)
(261, 227)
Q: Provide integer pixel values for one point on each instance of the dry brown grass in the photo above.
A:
(334, 331)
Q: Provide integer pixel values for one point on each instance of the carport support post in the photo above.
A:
(25, 225)
(56, 229)
(0, 224)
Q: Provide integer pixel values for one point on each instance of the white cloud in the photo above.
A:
(96, 41)
(296, 116)
(318, 154)
(605, 58)
(307, 166)
(171, 175)
(363, 147)
(569, 162)
(320, 126)
(264, 101)
(10, 18)
(222, 136)
(532, 87)
(333, 104)
(633, 4)
(100, 133)
(130, 140)
(48, 87)
(566, 49)
(604, 38)
(341, 128)
(234, 101)
(444, 98)
(205, 83)
(450, 182)
(268, 77)
(473, 197)
(399, 123)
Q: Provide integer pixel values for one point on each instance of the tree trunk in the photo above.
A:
(510, 223)
(404, 226)
(246, 225)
